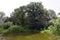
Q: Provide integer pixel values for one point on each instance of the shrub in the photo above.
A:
(7, 25)
(4, 27)
(55, 28)
(15, 28)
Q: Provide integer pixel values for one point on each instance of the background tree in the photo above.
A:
(51, 14)
(2, 14)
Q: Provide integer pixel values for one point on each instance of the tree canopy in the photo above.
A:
(33, 15)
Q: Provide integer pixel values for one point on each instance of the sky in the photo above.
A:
(8, 6)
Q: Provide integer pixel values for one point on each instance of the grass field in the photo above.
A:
(37, 36)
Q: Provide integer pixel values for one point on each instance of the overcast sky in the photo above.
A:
(8, 6)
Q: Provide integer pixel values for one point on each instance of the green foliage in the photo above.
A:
(55, 28)
(14, 29)
(46, 31)
(1, 28)
(4, 27)
(34, 15)
(31, 18)
(7, 25)
(19, 29)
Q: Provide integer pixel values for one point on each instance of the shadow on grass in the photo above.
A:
(21, 34)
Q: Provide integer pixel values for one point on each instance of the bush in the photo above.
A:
(55, 28)
(18, 29)
(2, 30)
(7, 25)
(15, 28)
(4, 27)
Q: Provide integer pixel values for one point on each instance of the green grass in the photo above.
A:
(37, 36)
